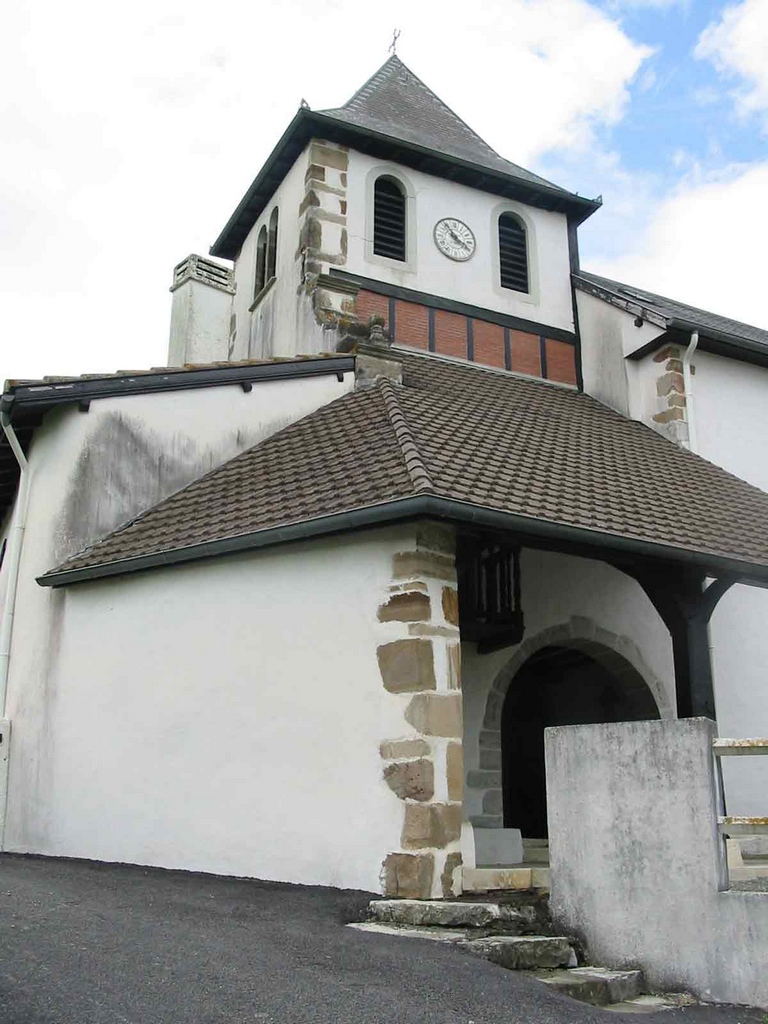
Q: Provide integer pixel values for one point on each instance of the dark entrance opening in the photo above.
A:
(560, 686)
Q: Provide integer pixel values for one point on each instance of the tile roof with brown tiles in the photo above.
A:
(486, 439)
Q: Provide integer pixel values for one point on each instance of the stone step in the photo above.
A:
(520, 876)
(653, 1003)
(511, 919)
(515, 952)
(536, 851)
(523, 952)
(596, 985)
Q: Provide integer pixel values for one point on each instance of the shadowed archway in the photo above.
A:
(577, 684)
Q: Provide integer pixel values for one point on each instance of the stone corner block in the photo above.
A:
(431, 825)
(451, 605)
(411, 780)
(451, 885)
(435, 714)
(408, 875)
(410, 606)
(454, 757)
(407, 665)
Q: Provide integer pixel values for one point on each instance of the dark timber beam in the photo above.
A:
(686, 606)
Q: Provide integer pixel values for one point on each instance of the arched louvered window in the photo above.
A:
(513, 253)
(389, 219)
(272, 246)
(261, 262)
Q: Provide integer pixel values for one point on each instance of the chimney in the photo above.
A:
(201, 311)
(375, 356)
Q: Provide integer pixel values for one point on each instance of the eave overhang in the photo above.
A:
(675, 330)
(26, 402)
(531, 532)
(308, 124)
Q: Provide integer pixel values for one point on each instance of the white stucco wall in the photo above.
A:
(222, 716)
(93, 471)
(556, 589)
(731, 410)
(608, 336)
(271, 329)
(473, 282)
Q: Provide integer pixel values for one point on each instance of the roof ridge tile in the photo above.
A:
(417, 468)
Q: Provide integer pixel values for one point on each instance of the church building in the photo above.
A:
(413, 487)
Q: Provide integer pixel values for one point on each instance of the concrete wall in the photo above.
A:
(589, 599)
(637, 863)
(93, 471)
(223, 716)
(476, 281)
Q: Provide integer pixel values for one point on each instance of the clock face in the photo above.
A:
(454, 239)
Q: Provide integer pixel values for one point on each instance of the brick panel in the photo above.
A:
(450, 334)
(489, 343)
(411, 324)
(561, 361)
(526, 357)
(370, 304)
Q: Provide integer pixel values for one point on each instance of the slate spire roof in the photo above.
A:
(396, 117)
(395, 102)
(464, 443)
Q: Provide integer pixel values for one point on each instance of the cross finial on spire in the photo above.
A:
(393, 45)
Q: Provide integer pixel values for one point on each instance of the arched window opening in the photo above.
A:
(272, 246)
(513, 253)
(261, 262)
(389, 219)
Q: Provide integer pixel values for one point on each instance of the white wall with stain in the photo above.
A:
(221, 716)
(91, 472)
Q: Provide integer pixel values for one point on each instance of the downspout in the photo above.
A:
(688, 389)
(13, 555)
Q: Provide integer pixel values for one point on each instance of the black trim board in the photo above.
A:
(532, 532)
(40, 395)
(396, 291)
(679, 333)
(308, 124)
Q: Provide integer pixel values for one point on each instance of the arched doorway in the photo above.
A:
(560, 685)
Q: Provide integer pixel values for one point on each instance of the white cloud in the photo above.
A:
(705, 245)
(737, 45)
(131, 131)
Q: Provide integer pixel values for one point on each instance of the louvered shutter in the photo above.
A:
(513, 253)
(388, 219)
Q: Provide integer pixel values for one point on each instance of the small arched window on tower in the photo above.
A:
(272, 246)
(389, 219)
(261, 263)
(513, 253)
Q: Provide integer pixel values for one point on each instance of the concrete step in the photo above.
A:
(523, 916)
(523, 952)
(536, 851)
(596, 985)
(653, 1003)
(515, 952)
(520, 876)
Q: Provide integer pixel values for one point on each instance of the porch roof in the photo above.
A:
(464, 443)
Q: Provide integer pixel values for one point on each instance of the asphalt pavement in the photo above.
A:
(86, 943)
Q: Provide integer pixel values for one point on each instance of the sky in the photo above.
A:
(130, 132)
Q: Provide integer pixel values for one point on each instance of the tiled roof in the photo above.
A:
(487, 439)
(395, 102)
(671, 310)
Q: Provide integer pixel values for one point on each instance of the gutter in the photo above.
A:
(416, 507)
(43, 394)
